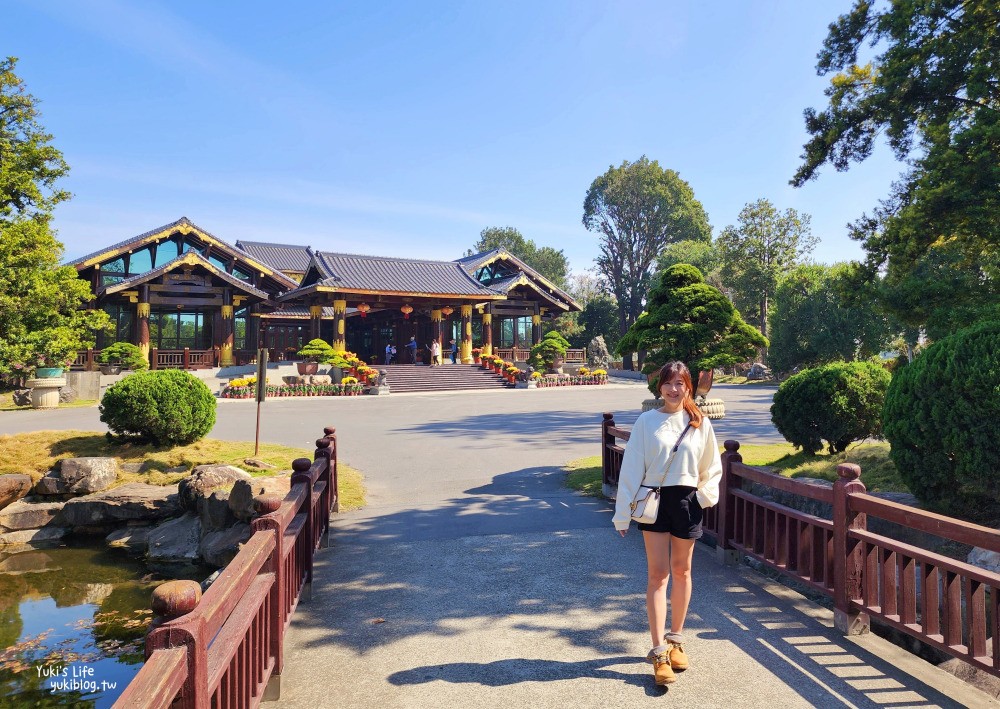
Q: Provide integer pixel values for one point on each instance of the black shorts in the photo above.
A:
(679, 513)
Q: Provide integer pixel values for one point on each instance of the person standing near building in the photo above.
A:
(388, 353)
(412, 347)
(454, 352)
(672, 449)
(435, 349)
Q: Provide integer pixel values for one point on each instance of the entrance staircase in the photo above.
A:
(408, 378)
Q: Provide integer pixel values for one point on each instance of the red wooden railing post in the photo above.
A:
(324, 451)
(172, 600)
(89, 366)
(187, 358)
(607, 440)
(725, 515)
(154, 358)
(265, 505)
(848, 563)
(330, 433)
(301, 477)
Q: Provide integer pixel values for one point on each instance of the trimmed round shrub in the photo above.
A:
(838, 403)
(126, 354)
(545, 353)
(164, 407)
(940, 418)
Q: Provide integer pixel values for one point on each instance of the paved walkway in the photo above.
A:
(474, 579)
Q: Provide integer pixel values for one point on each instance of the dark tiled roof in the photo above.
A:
(355, 272)
(180, 260)
(506, 284)
(293, 312)
(120, 244)
(284, 257)
(472, 263)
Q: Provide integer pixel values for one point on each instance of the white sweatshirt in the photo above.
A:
(697, 462)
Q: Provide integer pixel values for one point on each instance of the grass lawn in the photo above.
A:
(877, 471)
(36, 453)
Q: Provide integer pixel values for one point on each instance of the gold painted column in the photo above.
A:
(142, 317)
(315, 312)
(536, 329)
(226, 350)
(339, 322)
(466, 350)
(488, 333)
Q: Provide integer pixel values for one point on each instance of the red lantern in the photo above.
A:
(407, 309)
(363, 308)
(447, 310)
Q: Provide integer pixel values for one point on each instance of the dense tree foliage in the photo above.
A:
(818, 316)
(637, 209)
(757, 252)
(933, 89)
(549, 262)
(838, 403)
(703, 255)
(41, 320)
(940, 418)
(600, 317)
(690, 321)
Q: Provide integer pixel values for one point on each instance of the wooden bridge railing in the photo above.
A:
(226, 649)
(945, 603)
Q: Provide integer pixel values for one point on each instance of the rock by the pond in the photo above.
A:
(13, 488)
(243, 492)
(79, 476)
(27, 562)
(29, 513)
(214, 511)
(259, 464)
(176, 539)
(984, 559)
(219, 547)
(67, 395)
(133, 501)
(33, 536)
(206, 478)
(133, 539)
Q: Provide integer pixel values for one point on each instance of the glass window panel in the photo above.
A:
(189, 327)
(166, 251)
(140, 261)
(111, 280)
(188, 246)
(524, 331)
(168, 331)
(507, 333)
(217, 262)
(241, 274)
(116, 266)
(240, 329)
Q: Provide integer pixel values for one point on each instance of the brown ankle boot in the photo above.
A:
(662, 671)
(678, 658)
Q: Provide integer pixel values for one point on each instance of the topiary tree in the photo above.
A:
(690, 321)
(164, 407)
(839, 403)
(940, 418)
(552, 347)
(124, 353)
(316, 350)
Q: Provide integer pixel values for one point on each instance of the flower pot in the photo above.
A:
(111, 369)
(48, 372)
(307, 367)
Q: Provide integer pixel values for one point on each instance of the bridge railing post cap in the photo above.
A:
(732, 446)
(175, 598)
(301, 465)
(265, 504)
(849, 471)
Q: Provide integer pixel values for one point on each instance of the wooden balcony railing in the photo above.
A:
(226, 649)
(521, 354)
(183, 359)
(947, 604)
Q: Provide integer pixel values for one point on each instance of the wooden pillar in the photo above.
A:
(339, 324)
(466, 350)
(536, 328)
(848, 559)
(315, 312)
(228, 331)
(142, 320)
(487, 332)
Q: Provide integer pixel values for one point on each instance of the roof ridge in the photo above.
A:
(384, 258)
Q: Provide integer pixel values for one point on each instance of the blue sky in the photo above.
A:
(404, 129)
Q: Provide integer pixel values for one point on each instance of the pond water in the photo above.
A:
(72, 624)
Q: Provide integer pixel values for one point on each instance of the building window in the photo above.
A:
(241, 274)
(240, 319)
(140, 261)
(524, 332)
(177, 330)
(166, 251)
(121, 325)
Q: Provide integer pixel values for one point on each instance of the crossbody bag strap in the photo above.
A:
(670, 459)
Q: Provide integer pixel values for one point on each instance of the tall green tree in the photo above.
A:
(637, 209)
(600, 317)
(41, 316)
(817, 318)
(755, 253)
(551, 263)
(703, 255)
(930, 82)
(690, 321)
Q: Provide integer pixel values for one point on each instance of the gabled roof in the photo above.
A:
(190, 258)
(379, 274)
(284, 257)
(182, 226)
(543, 285)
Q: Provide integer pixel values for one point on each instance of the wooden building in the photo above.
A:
(190, 299)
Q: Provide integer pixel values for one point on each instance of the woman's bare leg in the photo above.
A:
(657, 576)
(681, 553)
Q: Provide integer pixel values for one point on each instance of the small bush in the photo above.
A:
(126, 354)
(940, 416)
(316, 350)
(838, 403)
(164, 407)
(545, 353)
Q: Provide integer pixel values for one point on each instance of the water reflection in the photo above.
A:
(72, 622)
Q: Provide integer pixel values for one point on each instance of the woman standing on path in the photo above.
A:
(673, 448)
